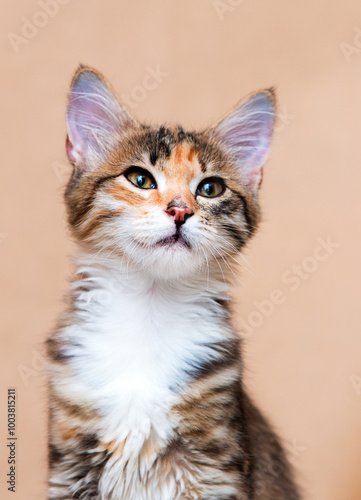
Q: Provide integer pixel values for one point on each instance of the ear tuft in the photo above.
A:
(95, 119)
(246, 131)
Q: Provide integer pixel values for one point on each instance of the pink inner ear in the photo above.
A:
(255, 178)
(74, 154)
(247, 132)
(93, 120)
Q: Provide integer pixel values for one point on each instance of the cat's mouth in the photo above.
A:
(176, 239)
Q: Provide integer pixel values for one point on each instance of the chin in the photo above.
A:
(171, 260)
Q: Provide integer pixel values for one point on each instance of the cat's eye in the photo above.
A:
(210, 188)
(140, 178)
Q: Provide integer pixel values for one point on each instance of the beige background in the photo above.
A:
(303, 360)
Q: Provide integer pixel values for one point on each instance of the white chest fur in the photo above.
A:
(134, 342)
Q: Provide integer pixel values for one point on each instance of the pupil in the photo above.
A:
(140, 180)
(209, 189)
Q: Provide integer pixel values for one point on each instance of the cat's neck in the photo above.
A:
(101, 272)
(125, 307)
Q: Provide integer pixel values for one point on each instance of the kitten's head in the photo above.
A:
(164, 200)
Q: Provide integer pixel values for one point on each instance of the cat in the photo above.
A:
(146, 394)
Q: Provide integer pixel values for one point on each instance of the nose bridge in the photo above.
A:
(181, 169)
(179, 175)
(180, 201)
(179, 195)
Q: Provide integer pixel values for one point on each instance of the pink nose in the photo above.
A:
(179, 213)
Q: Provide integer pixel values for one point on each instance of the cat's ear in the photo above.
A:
(246, 131)
(95, 119)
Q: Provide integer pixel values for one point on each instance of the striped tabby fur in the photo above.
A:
(145, 374)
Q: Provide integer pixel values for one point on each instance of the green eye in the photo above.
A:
(210, 188)
(141, 178)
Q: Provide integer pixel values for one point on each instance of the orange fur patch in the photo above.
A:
(67, 432)
(121, 193)
(114, 448)
(191, 154)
